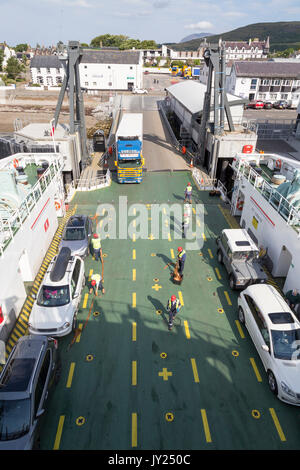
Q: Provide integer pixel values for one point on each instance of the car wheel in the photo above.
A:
(241, 316)
(220, 256)
(272, 383)
(232, 282)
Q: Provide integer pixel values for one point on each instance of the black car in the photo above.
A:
(268, 105)
(282, 104)
(31, 370)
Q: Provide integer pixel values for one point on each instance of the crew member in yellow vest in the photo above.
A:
(181, 256)
(173, 307)
(96, 284)
(96, 246)
(188, 193)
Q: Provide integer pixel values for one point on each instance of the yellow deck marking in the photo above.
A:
(134, 274)
(172, 253)
(206, 427)
(169, 237)
(187, 330)
(134, 374)
(218, 273)
(277, 424)
(195, 371)
(227, 298)
(79, 335)
(134, 299)
(70, 376)
(210, 253)
(101, 223)
(180, 297)
(240, 329)
(133, 331)
(204, 237)
(165, 374)
(133, 254)
(133, 429)
(59, 432)
(85, 300)
(134, 211)
(198, 223)
(133, 237)
(134, 223)
(156, 287)
(194, 210)
(103, 212)
(164, 210)
(90, 274)
(258, 376)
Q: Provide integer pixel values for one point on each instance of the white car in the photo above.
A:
(139, 91)
(275, 332)
(55, 309)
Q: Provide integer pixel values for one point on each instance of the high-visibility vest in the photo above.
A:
(188, 189)
(96, 277)
(96, 243)
(181, 254)
(175, 304)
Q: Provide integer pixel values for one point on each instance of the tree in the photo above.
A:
(21, 47)
(1, 59)
(13, 68)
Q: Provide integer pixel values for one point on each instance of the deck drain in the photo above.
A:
(89, 358)
(220, 310)
(158, 312)
(96, 314)
(255, 414)
(235, 353)
(153, 254)
(155, 279)
(104, 255)
(209, 278)
(169, 416)
(80, 420)
(163, 355)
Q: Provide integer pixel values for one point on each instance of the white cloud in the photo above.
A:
(71, 3)
(201, 25)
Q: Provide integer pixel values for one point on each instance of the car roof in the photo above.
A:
(76, 221)
(269, 301)
(18, 371)
(239, 235)
(60, 268)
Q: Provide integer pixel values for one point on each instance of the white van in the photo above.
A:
(55, 309)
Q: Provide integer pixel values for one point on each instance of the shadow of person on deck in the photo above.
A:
(159, 308)
(168, 262)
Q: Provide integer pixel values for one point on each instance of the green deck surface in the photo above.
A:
(228, 408)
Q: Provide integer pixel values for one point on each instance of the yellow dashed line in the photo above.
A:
(134, 274)
(133, 429)
(133, 254)
(90, 274)
(195, 371)
(187, 331)
(258, 376)
(134, 299)
(70, 376)
(134, 331)
(204, 237)
(134, 373)
(85, 300)
(206, 427)
(210, 253)
(172, 253)
(277, 424)
(239, 329)
(59, 433)
(218, 273)
(180, 298)
(79, 335)
(227, 298)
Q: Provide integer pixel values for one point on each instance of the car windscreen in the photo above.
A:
(53, 296)
(245, 255)
(286, 344)
(73, 233)
(14, 418)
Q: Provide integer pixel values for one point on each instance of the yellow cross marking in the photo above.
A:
(165, 374)
(156, 287)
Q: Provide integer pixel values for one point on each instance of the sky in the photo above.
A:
(46, 22)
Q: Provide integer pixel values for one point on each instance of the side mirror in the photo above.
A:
(40, 413)
(264, 347)
(75, 295)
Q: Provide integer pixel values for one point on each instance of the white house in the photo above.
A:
(7, 53)
(266, 80)
(99, 70)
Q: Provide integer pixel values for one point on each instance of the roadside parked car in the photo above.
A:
(77, 235)
(146, 72)
(139, 91)
(268, 105)
(282, 104)
(54, 311)
(31, 371)
(239, 254)
(275, 332)
(256, 104)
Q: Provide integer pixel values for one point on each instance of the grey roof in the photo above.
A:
(267, 69)
(110, 57)
(48, 61)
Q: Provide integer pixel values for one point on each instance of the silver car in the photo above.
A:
(77, 235)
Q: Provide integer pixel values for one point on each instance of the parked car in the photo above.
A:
(139, 91)
(31, 371)
(239, 254)
(268, 105)
(77, 235)
(146, 72)
(282, 104)
(256, 104)
(275, 332)
(54, 311)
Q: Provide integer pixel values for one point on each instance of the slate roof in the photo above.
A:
(45, 61)
(267, 69)
(110, 57)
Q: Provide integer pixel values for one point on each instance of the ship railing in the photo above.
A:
(13, 221)
(288, 212)
(203, 181)
(90, 184)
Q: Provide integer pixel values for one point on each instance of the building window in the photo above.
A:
(109, 83)
(273, 96)
(38, 71)
(284, 96)
(265, 82)
(94, 83)
(86, 83)
(108, 66)
(85, 66)
(286, 82)
(295, 97)
(253, 84)
(262, 96)
(131, 68)
(275, 82)
(48, 70)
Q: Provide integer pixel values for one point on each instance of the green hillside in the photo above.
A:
(282, 35)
